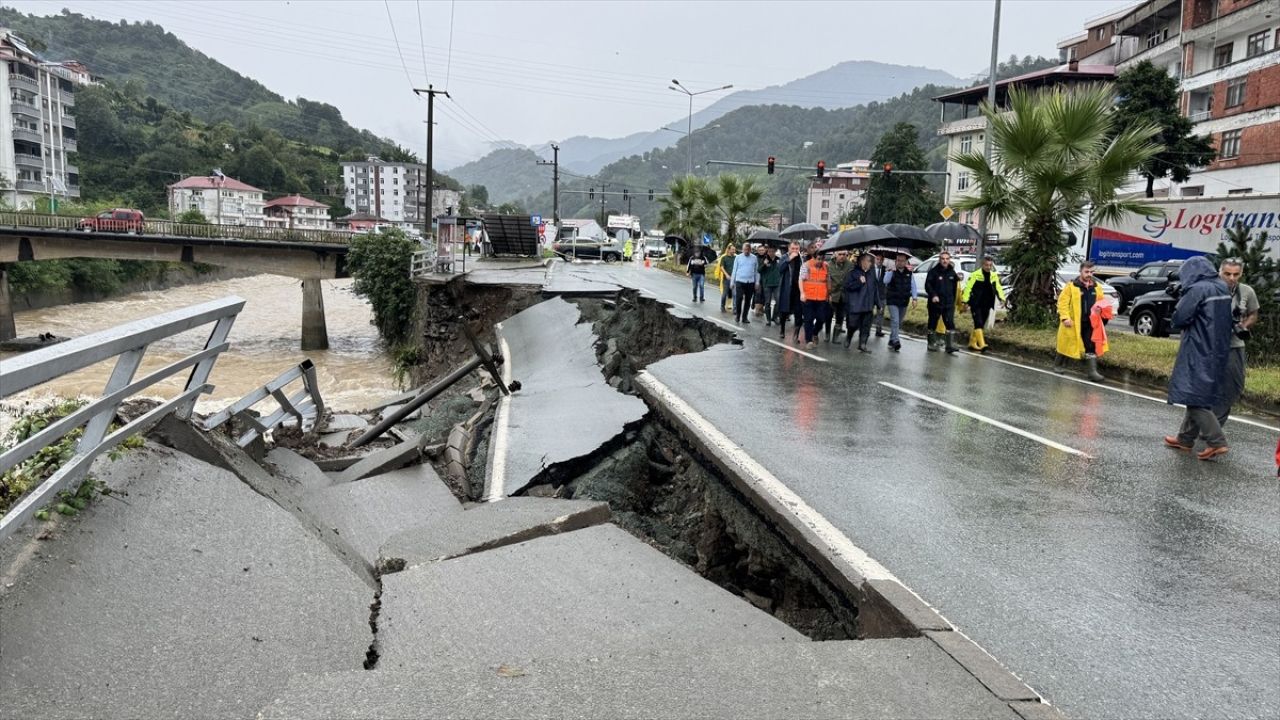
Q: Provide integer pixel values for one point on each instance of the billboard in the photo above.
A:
(1187, 227)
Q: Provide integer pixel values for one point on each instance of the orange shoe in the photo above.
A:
(1172, 442)
(1210, 453)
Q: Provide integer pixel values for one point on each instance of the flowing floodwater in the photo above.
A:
(265, 341)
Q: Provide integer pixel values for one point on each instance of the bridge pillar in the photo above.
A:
(8, 330)
(315, 334)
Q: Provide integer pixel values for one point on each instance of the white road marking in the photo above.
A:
(785, 346)
(497, 485)
(985, 419)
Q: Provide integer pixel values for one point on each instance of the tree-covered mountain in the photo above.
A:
(508, 174)
(147, 60)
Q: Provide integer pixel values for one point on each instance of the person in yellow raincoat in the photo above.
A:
(1075, 323)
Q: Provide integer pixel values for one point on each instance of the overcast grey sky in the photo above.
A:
(536, 71)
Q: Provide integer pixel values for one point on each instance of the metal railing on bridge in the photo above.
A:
(169, 228)
(128, 344)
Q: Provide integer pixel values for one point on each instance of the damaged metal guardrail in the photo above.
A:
(128, 344)
(306, 406)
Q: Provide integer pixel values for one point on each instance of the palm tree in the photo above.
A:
(682, 212)
(734, 202)
(1055, 154)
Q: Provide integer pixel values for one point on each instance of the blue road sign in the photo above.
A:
(535, 220)
(706, 238)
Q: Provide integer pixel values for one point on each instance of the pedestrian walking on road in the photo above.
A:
(878, 312)
(770, 279)
(1203, 315)
(860, 297)
(837, 270)
(726, 274)
(1244, 314)
(940, 285)
(746, 273)
(1075, 323)
(627, 250)
(899, 290)
(697, 269)
(981, 291)
(813, 295)
(789, 303)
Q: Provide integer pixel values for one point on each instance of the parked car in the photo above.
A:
(1152, 312)
(609, 250)
(118, 220)
(1150, 277)
(1108, 292)
(964, 264)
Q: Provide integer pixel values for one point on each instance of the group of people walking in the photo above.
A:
(846, 295)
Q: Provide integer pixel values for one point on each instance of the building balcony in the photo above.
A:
(1166, 52)
(66, 98)
(1149, 17)
(1208, 78)
(69, 121)
(69, 144)
(72, 170)
(25, 110)
(73, 190)
(28, 135)
(1214, 25)
(31, 185)
(25, 160)
(964, 125)
(19, 80)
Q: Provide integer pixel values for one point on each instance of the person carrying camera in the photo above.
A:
(1244, 313)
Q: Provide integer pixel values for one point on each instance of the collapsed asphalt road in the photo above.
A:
(1038, 513)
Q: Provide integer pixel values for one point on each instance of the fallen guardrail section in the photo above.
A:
(306, 406)
(127, 343)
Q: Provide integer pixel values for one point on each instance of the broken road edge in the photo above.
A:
(887, 607)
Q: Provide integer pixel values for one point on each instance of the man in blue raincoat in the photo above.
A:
(1203, 315)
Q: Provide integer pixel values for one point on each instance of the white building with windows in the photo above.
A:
(37, 126)
(297, 212)
(837, 192)
(394, 191)
(222, 200)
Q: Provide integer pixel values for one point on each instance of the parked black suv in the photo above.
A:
(1150, 277)
(1152, 313)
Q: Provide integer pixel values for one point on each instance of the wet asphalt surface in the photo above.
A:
(1135, 582)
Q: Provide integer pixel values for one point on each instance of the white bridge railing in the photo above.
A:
(128, 344)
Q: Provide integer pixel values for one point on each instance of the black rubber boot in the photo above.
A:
(1059, 363)
(951, 342)
(932, 342)
(1091, 365)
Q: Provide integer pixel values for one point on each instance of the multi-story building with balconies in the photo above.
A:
(297, 212)
(222, 200)
(395, 191)
(837, 192)
(37, 126)
(965, 128)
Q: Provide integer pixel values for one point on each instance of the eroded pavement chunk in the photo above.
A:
(189, 596)
(564, 410)
(578, 594)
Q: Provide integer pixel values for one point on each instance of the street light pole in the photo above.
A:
(675, 85)
(987, 146)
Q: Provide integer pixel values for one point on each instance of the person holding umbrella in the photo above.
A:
(940, 285)
(981, 290)
(813, 297)
(899, 291)
(861, 293)
(789, 304)
(836, 272)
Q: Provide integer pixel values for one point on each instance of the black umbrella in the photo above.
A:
(859, 237)
(953, 233)
(910, 236)
(767, 237)
(803, 231)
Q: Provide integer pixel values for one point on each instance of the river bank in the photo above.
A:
(171, 275)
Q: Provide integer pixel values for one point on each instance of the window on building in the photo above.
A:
(1222, 55)
(1235, 92)
(1240, 191)
(1256, 44)
(1229, 147)
(1071, 53)
(966, 144)
(826, 216)
(826, 203)
(962, 181)
(1098, 33)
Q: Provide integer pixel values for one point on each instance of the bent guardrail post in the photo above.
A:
(128, 343)
(303, 405)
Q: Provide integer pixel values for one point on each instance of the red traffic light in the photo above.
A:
(772, 160)
(888, 169)
(822, 168)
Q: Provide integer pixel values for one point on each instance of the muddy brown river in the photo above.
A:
(265, 341)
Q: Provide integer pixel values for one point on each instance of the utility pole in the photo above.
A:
(987, 146)
(431, 124)
(555, 183)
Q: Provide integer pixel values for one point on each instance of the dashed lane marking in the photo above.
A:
(785, 346)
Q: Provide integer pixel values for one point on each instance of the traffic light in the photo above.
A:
(624, 193)
(650, 194)
(822, 168)
(772, 160)
(591, 193)
(888, 169)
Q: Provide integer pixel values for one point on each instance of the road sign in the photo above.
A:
(535, 220)
(946, 212)
(706, 238)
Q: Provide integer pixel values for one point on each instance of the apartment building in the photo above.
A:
(297, 212)
(37, 126)
(222, 200)
(837, 192)
(390, 190)
(964, 126)
(1226, 56)
(1096, 45)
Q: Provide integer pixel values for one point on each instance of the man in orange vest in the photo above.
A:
(813, 297)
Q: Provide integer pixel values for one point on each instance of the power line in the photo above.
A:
(422, 40)
(391, 21)
(448, 68)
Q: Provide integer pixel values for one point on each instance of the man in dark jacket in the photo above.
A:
(837, 270)
(940, 287)
(1203, 315)
(878, 312)
(770, 279)
(789, 292)
(861, 293)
